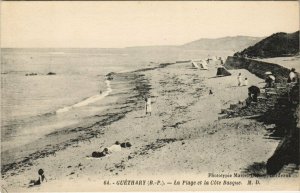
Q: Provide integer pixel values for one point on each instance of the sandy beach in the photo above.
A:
(149, 96)
(183, 136)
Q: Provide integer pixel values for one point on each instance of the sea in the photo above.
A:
(34, 104)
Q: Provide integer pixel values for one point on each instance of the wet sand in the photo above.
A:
(183, 136)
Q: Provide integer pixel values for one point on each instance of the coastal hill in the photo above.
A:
(277, 45)
(225, 43)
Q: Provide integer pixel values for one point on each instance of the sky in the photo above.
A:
(109, 24)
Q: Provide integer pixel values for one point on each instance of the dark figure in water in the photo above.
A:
(253, 92)
(39, 181)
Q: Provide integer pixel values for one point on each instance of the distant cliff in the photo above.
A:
(225, 43)
(277, 45)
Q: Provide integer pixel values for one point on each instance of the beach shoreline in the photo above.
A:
(118, 97)
(185, 121)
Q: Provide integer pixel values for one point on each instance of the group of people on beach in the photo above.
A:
(270, 78)
(109, 150)
(254, 91)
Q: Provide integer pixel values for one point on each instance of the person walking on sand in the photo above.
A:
(148, 105)
(239, 79)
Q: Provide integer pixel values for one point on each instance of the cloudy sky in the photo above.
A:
(121, 24)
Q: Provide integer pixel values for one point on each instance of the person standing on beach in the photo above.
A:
(239, 79)
(292, 76)
(246, 82)
(148, 105)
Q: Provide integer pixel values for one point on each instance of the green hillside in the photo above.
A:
(277, 45)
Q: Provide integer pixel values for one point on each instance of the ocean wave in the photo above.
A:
(87, 101)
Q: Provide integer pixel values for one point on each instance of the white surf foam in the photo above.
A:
(87, 101)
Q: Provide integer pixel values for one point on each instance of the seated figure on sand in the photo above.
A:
(270, 80)
(115, 148)
(101, 153)
(40, 180)
(126, 144)
(253, 92)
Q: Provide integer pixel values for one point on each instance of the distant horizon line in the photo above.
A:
(163, 45)
(175, 45)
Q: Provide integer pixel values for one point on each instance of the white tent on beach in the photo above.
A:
(195, 65)
(201, 64)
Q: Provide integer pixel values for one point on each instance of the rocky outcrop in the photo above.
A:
(288, 150)
(277, 45)
(285, 114)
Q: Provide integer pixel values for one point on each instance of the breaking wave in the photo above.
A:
(87, 101)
